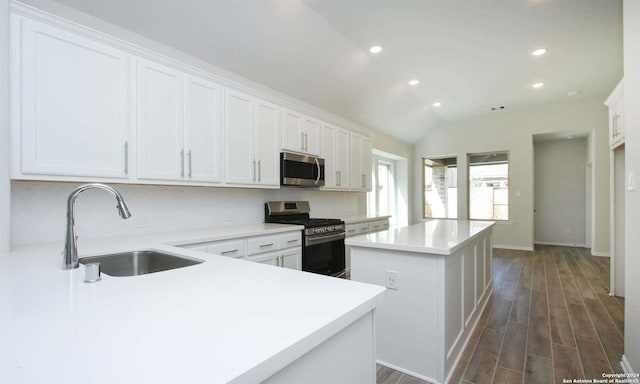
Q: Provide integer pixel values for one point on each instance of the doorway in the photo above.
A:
(560, 189)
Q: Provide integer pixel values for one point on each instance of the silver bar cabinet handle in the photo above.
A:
(254, 170)
(259, 170)
(182, 162)
(337, 178)
(190, 158)
(302, 141)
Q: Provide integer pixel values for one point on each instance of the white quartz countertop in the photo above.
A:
(438, 236)
(362, 219)
(221, 321)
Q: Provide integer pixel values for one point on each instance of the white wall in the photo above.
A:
(4, 126)
(632, 162)
(512, 130)
(559, 192)
(38, 209)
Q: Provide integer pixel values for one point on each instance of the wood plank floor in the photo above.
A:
(550, 318)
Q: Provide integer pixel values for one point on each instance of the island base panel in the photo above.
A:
(346, 357)
(424, 324)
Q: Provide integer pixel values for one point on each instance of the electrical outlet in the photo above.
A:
(391, 279)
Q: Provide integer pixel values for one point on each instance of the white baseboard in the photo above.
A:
(602, 254)
(624, 363)
(559, 244)
(514, 247)
(408, 372)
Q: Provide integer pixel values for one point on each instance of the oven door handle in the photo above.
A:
(313, 240)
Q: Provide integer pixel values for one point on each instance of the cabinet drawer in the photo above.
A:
(263, 244)
(379, 225)
(289, 240)
(351, 230)
(363, 228)
(234, 248)
(270, 258)
(200, 247)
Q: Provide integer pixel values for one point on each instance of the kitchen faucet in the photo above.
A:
(71, 245)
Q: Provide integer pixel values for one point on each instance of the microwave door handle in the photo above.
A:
(318, 166)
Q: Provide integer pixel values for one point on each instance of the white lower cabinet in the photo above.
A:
(233, 248)
(281, 250)
(289, 258)
(362, 228)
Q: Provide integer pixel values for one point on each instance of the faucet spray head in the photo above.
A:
(123, 210)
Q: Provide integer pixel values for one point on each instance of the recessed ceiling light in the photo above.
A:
(539, 52)
(573, 93)
(537, 85)
(414, 82)
(375, 49)
(437, 104)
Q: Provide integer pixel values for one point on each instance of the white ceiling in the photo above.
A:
(468, 54)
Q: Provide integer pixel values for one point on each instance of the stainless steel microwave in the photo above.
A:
(301, 170)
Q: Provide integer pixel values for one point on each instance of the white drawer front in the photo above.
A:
(196, 247)
(234, 248)
(379, 225)
(289, 240)
(351, 230)
(271, 258)
(363, 227)
(263, 244)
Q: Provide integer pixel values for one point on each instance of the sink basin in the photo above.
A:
(138, 262)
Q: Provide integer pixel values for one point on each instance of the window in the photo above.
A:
(489, 186)
(381, 201)
(440, 195)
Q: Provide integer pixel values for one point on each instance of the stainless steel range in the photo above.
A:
(323, 240)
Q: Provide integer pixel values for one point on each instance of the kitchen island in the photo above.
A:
(221, 321)
(439, 279)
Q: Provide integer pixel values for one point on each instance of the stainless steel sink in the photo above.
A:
(138, 262)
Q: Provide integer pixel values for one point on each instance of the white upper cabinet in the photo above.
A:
(179, 125)
(203, 130)
(72, 96)
(615, 102)
(360, 162)
(160, 121)
(84, 110)
(252, 128)
(292, 131)
(301, 133)
(239, 139)
(268, 124)
(335, 151)
(312, 135)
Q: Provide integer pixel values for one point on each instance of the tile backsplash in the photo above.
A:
(38, 209)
